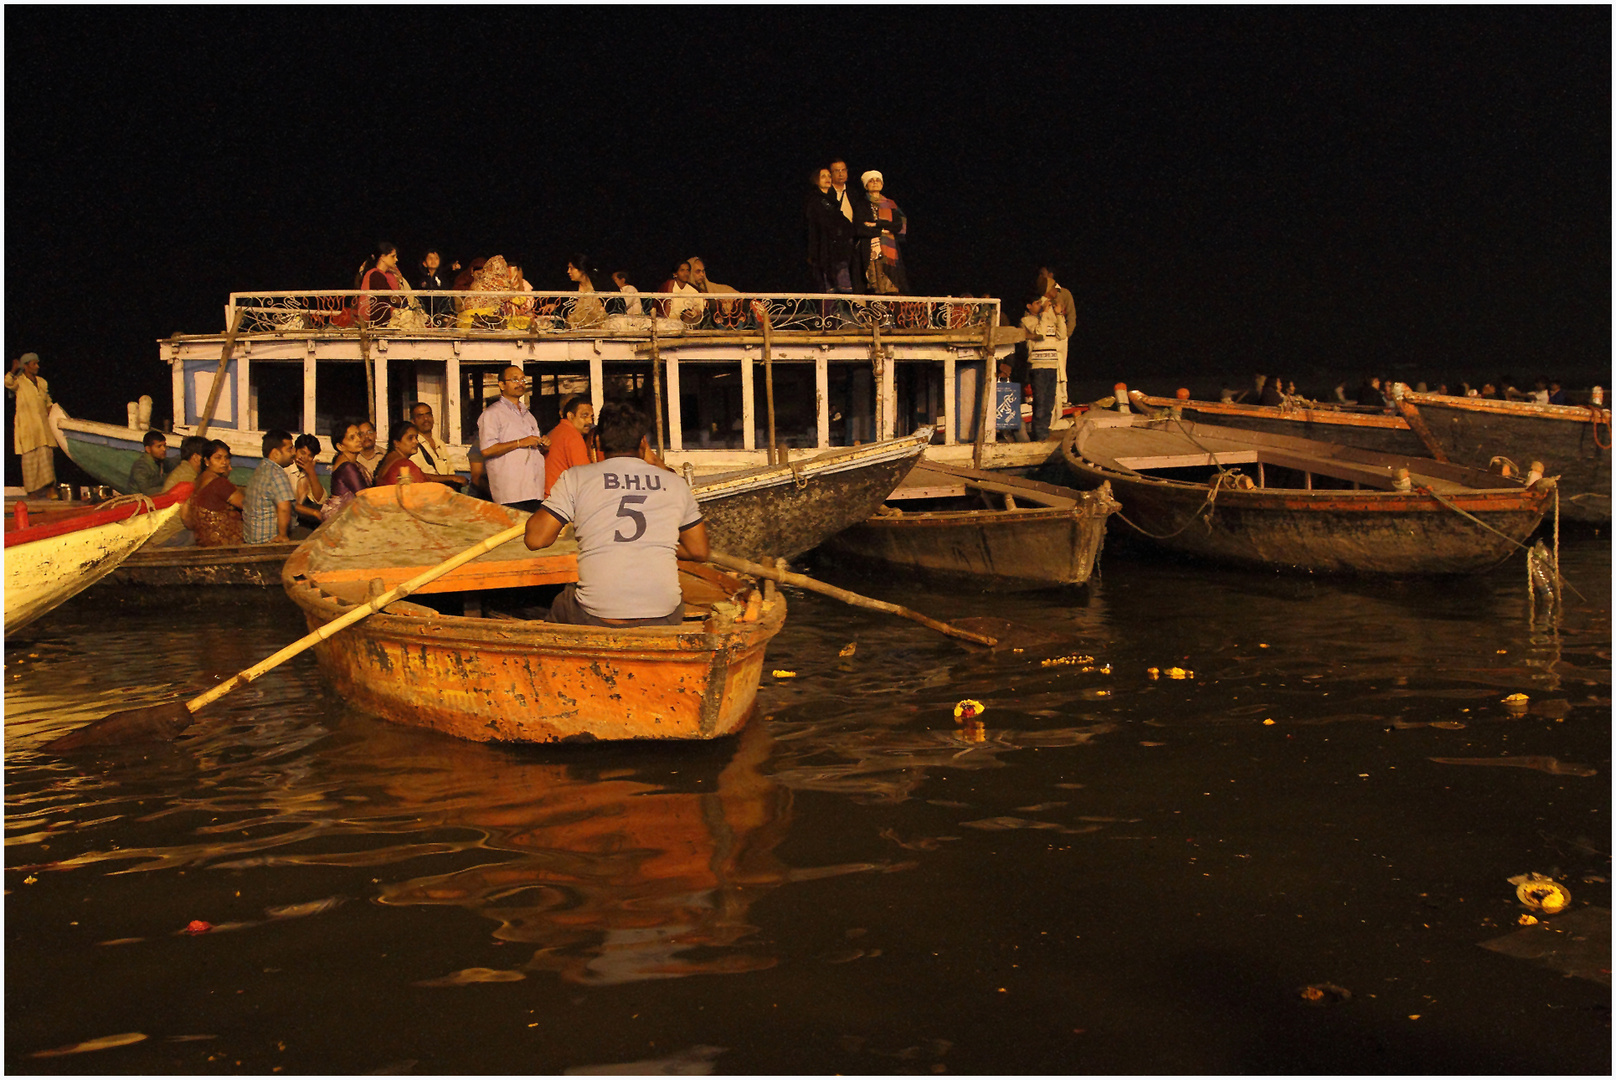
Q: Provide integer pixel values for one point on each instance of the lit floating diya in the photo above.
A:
(969, 709)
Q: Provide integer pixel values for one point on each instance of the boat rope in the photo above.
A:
(1206, 508)
(1596, 411)
(1467, 514)
(1514, 469)
(144, 502)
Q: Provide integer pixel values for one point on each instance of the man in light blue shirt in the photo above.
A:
(508, 435)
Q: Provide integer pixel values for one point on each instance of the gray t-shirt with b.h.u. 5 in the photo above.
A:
(627, 515)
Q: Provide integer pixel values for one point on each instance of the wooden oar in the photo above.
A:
(166, 721)
(786, 577)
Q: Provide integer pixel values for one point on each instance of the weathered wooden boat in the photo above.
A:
(435, 662)
(785, 510)
(48, 563)
(990, 528)
(1306, 505)
(245, 565)
(1473, 431)
(1350, 425)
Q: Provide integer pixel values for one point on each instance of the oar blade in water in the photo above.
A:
(153, 723)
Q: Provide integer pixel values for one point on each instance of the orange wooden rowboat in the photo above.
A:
(501, 679)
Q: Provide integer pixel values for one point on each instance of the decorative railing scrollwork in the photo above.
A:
(626, 314)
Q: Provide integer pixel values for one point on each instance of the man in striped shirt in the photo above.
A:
(267, 509)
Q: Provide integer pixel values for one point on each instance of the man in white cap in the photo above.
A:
(885, 272)
(34, 443)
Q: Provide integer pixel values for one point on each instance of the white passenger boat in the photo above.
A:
(760, 379)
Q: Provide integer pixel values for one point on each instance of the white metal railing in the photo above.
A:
(627, 314)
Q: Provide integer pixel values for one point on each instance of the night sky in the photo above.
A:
(1323, 193)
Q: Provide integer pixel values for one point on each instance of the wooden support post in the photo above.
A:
(748, 403)
(949, 390)
(768, 379)
(224, 365)
(822, 401)
(988, 389)
(676, 416)
(656, 384)
(451, 399)
(370, 376)
(309, 384)
(878, 372)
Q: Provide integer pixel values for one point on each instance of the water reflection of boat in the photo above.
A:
(447, 668)
(613, 878)
(988, 528)
(50, 562)
(1311, 506)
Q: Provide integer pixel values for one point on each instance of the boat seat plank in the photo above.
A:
(933, 474)
(941, 491)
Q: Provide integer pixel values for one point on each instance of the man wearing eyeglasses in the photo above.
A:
(508, 435)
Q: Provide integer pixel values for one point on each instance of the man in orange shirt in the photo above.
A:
(567, 446)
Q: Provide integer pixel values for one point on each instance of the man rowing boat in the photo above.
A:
(634, 518)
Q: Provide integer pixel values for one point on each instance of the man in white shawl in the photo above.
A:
(34, 442)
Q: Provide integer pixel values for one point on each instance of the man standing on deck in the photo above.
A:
(510, 441)
(1046, 356)
(567, 445)
(266, 510)
(146, 474)
(31, 427)
(633, 520)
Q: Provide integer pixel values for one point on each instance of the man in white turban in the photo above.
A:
(33, 439)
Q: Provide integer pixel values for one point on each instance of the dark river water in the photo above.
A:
(1114, 873)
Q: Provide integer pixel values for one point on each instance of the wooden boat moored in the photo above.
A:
(1472, 431)
(247, 565)
(48, 563)
(1362, 426)
(784, 510)
(992, 528)
(441, 664)
(1311, 506)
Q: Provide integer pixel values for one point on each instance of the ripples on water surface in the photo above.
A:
(1113, 874)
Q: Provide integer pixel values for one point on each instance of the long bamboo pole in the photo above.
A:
(988, 389)
(768, 380)
(786, 577)
(224, 365)
(656, 387)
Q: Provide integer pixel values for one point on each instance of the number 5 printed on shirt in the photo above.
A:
(625, 511)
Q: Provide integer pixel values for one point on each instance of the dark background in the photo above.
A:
(1329, 193)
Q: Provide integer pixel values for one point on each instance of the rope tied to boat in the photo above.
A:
(1597, 411)
(144, 502)
(797, 475)
(1231, 477)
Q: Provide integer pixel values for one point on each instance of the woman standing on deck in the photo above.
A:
(347, 477)
(215, 509)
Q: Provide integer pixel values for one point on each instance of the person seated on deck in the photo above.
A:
(347, 477)
(567, 440)
(215, 510)
(633, 520)
(1273, 391)
(429, 457)
(630, 303)
(267, 512)
(307, 491)
(369, 456)
(193, 459)
(146, 475)
(687, 311)
(403, 440)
